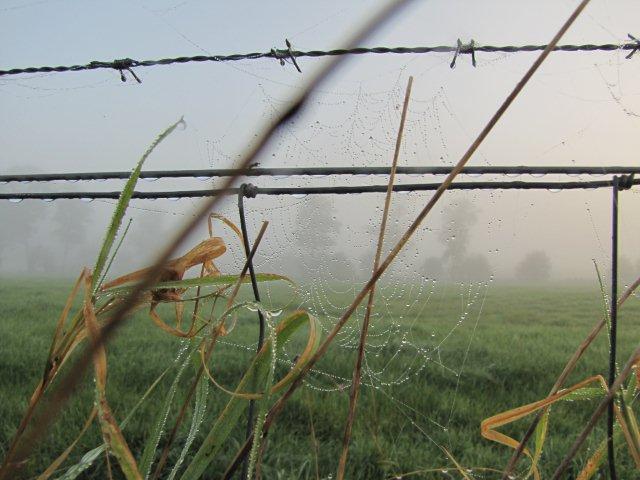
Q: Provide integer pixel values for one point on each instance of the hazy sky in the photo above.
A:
(581, 108)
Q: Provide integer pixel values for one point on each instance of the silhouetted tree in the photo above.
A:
(535, 267)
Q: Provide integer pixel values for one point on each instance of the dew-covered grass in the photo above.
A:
(506, 355)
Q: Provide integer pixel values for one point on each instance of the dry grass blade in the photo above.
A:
(111, 432)
(459, 467)
(51, 469)
(569, 367)
(633, 360)
(489, 425)
(278, 407)
(357, 370)
(70, 381)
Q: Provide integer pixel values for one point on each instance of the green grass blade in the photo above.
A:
(263, 403)
(115, 252)
(85, 462)
(123, 204)
(540, 437)
(92, 455)
(199, 410)
(151, 446)
(258, 370)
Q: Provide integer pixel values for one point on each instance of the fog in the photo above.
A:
(580, 109)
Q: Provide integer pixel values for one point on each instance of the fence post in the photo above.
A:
(249, 191)
(613, 326)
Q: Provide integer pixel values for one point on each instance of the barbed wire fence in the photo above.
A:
(289, 55)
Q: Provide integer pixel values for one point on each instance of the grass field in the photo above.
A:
(523, 338)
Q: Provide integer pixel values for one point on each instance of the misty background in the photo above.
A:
(579, 109)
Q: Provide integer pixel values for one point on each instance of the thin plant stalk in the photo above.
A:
(279, 405)
(357, 369)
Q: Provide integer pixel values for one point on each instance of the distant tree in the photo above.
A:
(455, 233)
(472, 268)
(455, 237)
(535, 266)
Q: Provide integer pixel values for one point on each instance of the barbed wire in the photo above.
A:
(471, 48)
(321, 171)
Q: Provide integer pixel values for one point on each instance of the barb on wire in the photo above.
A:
(625, 182)
(122, 65)
(291, 55)
(461, 48)
(633, 45)
(636, 48)
(288, 54)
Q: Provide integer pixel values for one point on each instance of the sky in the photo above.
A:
(579, 109)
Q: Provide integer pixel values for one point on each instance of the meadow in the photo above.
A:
(510, 357)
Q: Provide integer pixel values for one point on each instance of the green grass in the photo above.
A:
(523, 338)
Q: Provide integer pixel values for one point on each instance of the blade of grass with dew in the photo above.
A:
(540, 438)
(263, 403)
(199, 411)
(151, 445)
(123, 204)
(595, 460)
(110, 430)
(313, 341)
(115, 252)
(627, 410)
(51, 469)
(84, 464)
(258, 369)
(89, 457)
(459, 467)
(607, 311)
